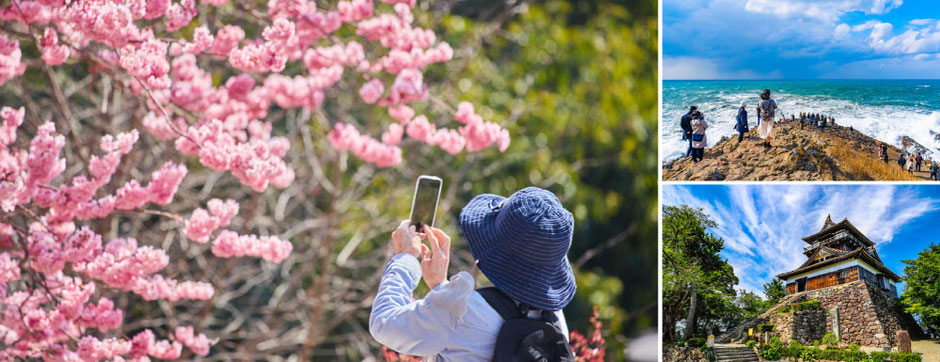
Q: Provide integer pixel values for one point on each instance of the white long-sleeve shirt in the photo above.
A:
(453, 322)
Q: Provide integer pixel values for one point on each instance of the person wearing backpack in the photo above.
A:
(741, 125)
(766, 109)
(686, 123)
(520, 244)
(699, 141)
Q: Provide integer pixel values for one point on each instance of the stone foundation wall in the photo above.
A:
(682, 354)
(804, 327)
(859, 312)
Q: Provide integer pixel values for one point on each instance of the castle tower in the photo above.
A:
(839, 254)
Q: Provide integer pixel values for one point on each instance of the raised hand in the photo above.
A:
(405, 239)
(436, 259)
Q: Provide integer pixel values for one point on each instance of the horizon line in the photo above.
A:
(792, 79)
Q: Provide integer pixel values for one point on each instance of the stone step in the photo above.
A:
(735, 354)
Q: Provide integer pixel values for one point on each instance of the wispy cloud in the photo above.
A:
(759, 39)
(762, 225)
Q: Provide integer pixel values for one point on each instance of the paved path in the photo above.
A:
(930, 348)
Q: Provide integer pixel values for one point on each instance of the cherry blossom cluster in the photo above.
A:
(389, 45)
(589, 349)
(66, 262)
(207, 95)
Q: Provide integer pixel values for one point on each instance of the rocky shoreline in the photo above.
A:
(807, 154)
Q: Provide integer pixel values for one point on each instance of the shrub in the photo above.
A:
(906, 357)
(807, 305)
(816, 343)
(750, 344)
(795, 349)
(854, 355)
(830, 340)
(808, 354)
(695, 342)
(765, 327)
(770, 352)
(878, 356)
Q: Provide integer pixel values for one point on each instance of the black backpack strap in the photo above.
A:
(503, 304)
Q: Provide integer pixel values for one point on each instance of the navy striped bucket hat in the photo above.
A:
(521, 244)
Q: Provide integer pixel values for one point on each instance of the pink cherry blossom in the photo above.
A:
(392, 136)
(371, 91)
(447, 139)
(354, 10)
(52, 52)
(227, 39)
(402, 113)
(408, 87)
(10, 59)
(229, 244)
(198, 344)
(10, 120)
(420, 128)
(200, 225)
(224, 211)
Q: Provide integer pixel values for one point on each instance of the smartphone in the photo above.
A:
(424, 204)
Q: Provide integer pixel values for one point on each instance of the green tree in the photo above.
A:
(774, 290)
(922, 288)
(694, 274)
(750, 304)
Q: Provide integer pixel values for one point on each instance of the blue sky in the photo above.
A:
(762, 225)
(801, 39)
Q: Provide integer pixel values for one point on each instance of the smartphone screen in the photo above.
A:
(424, 205)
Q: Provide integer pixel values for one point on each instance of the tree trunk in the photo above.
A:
(690, 322)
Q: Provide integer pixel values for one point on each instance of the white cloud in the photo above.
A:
(826, 10)
(922, 35)
(762, 226)
(842, 31)
(703, 68)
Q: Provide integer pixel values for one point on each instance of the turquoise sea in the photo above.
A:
(884, 109)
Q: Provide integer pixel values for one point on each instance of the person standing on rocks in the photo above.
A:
(822, 124)
(686, 124)
(765, 110)
(741, 126)
(699, 141)
(883, 153)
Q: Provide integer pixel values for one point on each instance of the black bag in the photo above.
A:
(526, 339)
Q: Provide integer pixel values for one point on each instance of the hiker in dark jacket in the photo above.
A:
(934, 172)
(901, 161)
(686, 124)
(919, 159)
(883, 154)
(741, 126)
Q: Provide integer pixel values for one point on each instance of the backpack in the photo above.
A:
(526, 339)
(765, 110)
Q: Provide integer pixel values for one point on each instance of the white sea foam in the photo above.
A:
(885, 123)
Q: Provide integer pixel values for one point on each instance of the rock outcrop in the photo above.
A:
(806, 154)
